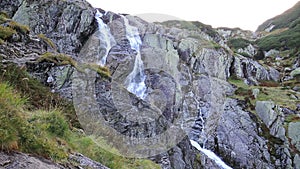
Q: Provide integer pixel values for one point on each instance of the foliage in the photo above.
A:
(292, 118)
(238, 43)
(205, 28)
(191, 25)
(3, 18)
(88, 146)
(286, 40)
(269, 83)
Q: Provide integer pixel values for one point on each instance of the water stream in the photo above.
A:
(106, 39)
(135, 81)
(210, 155)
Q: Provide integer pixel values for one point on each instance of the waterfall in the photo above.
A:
(203, 139)
(105, 37)
(135, 81)
(210, 155)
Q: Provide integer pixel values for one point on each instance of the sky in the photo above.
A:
(245, 14)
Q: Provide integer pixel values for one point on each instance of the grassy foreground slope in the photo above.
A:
(47, 130)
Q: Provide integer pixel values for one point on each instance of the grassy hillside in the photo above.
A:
(286, 19)
(285, 34)
(36, 121)
(286, 40)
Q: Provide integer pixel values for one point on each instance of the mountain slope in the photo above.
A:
(284, 20)
(202, 84)
(281, 32)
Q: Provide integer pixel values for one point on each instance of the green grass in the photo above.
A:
(12, 27)
(46, 129)
(292, 118)
(63, 59)
(286, 40)
(6, 32)
(19, 27)
(47, 133)
(47, 40)
(38, 96)
(269, 90)
(286, 19)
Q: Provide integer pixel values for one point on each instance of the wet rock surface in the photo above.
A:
(187, 73)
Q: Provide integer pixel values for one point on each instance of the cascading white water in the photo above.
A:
(135, 81)
(210, 155)
(106, 39)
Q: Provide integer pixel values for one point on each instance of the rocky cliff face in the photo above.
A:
(196, 86)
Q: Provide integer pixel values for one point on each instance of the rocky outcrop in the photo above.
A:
(10, 7)
(67, 23)
(252, 71)
(187, 95)
(24, 161)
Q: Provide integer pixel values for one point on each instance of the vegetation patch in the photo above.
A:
(47, 40)
(6, 32)
(47, 133)
(38, 96)
(11, 27)
(288, 18)
(286, 40)
(268, 90)
(19, 27)
(292, 118)
(63, 59)
(238, 43)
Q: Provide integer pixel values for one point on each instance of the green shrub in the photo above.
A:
(286, 40)
(238, 43)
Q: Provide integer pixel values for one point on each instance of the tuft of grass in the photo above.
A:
(10, 104)
(3, 19)
(47, 40)
(38, 96)
(47, 134)
(58, 59)
(6, 32)
(102, 71)
(62, 59)
(19, 27)
(292, 118)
